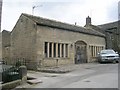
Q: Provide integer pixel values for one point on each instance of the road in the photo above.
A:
(86, 76)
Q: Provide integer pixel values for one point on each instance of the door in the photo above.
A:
(80, 56)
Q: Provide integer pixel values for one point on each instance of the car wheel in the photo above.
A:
(117, 61)
(114, 62)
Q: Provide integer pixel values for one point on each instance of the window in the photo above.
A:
(95, 50)
(92, 51)
(55, 50)
(58, 50)
(50, 50)
(66, 46)
(45, 49)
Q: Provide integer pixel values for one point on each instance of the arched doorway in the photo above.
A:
(80, 52)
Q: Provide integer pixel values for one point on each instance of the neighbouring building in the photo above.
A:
(0, 12)
(0, 31)
(43, 42)
(112, 32)
(6, 46)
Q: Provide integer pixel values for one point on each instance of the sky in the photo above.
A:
(68, 11)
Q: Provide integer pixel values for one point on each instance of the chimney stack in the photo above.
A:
(88, 21)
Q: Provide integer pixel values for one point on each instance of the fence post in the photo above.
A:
(23, 73)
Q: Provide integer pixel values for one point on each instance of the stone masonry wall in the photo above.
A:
(48, 34)
(6, 45)
(23, 42)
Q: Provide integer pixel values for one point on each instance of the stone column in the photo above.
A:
(95, 51)
(52, 50)
(60, 50)
(56, 50)
(23, 73)
(64, 50)
(48, 49)
(68, 50)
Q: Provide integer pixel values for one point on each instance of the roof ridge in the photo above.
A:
(62, 25)
(52, 20)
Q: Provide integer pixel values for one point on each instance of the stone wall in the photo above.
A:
(28, 42)
(6, 45)
(112, 32)
(23, 42)
(48, 34)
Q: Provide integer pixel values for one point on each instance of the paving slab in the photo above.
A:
(34, 81)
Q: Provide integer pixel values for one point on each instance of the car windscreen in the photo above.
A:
(107, 52)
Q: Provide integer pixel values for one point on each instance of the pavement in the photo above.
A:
(74, 76)
(65, 68)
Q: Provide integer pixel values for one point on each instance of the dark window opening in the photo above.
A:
(58, 50)
(54, 49)
(92, 50)
(66, 50)
(62, 50)
(50, 49)
(45, 49)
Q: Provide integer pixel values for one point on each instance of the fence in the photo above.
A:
(30, 64)
(10, 74)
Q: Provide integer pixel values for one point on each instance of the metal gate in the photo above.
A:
(80, 55)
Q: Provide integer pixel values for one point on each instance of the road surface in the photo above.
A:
(86, 76)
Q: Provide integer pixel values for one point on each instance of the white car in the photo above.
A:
(108, 55)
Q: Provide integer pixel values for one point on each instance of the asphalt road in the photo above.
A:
(88, 76)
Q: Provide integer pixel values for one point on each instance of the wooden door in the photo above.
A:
(80, 56)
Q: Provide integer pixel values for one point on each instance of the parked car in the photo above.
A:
(108, 55)
(2, 62)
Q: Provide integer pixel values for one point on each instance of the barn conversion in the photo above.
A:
(43, 42)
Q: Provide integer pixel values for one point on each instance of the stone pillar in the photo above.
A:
(23, 73)
(64, 50)
(60, 50)
(52, 50)
(68, 50)
(95, 51)
(48, 49)
(56, 50)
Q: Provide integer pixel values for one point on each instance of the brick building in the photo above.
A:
(44, 42)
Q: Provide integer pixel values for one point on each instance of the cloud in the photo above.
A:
(70, 11)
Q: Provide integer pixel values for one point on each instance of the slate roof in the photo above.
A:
(98, 28)
(109, 25)
(63, 26)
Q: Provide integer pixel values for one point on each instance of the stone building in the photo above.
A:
(0, 12)
(6, 45)
(44, 42)
(112, 32)
(0, 31)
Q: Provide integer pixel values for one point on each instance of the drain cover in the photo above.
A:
(87, 81)
(50, 76)
(87, 68)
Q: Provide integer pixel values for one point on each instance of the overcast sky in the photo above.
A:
(69, 11)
